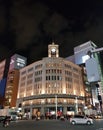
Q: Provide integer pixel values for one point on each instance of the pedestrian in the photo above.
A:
(6, 121)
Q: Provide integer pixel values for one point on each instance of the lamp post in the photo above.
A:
(56, 106)
(76, 105)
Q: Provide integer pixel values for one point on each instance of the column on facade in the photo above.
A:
(42, 110)
(64, 109)
(31, 112)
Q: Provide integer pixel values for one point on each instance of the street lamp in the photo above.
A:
(76, 105)
(56, 105)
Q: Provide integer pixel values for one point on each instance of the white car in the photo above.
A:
(80, 119)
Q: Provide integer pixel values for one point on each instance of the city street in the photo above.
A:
(51, 125)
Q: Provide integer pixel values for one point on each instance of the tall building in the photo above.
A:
(2, 68)
(51, 85)
(16, 63)
(82, 55)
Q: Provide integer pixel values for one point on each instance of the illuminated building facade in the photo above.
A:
(81, 57)
(3, 79)
(2, 69)
(41, 82)
(16, 62)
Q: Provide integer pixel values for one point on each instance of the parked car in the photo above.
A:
(81, 119)
(99, 116)
(92, 116)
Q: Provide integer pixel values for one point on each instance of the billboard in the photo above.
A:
(81, 58)
(81, 51)
(92, 70)
(17, 62)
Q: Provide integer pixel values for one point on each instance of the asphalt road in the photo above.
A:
(51, 125)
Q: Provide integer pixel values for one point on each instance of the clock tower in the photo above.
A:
(53, 50)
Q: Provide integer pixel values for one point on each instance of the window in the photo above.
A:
(30, 69)
(23, 72)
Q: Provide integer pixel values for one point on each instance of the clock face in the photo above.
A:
(53, 50)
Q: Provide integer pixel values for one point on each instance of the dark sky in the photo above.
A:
(28, 26)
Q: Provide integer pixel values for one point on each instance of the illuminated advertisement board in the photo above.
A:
(17, 62)
(81, 51)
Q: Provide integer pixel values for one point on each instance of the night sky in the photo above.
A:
(28, 26)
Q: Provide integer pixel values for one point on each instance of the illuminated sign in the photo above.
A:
(17, 62)
(20, 62)
(81, 51)
(12, 61)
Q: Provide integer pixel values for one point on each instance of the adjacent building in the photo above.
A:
(3, 79)
(16, 62)
(82, 56)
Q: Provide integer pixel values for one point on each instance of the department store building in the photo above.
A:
(53, 84)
